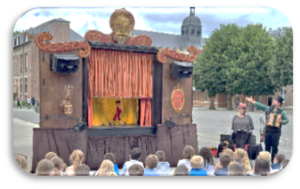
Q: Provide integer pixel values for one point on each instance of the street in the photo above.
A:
(210, 124)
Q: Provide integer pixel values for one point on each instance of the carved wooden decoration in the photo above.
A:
(164, 52)
(94, 35)
(177, 98)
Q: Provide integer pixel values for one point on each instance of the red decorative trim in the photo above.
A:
(140, 40)
(61, 47)
(164, 52)
(94, 35)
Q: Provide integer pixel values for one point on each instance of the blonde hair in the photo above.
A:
(58, 166)
(230, 153)
(50, 155)
(196, 162)
(188, 152)
(76, 158)
(44, 167)
(22, 161)
(265, 155)
(106, 169)
(241, 153)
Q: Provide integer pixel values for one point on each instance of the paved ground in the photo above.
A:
(210, 124)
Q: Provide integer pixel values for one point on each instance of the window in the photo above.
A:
(26, 62)
(205, 96)
(21, 63)
(26, 38)
(21, 82)
(18, 41)
(197, 95)
(283, 92)
(25, 85)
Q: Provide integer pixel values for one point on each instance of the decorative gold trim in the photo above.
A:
(177, 88)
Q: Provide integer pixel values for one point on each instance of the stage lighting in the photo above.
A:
(181, 69)
(64, 63)
(80, 127)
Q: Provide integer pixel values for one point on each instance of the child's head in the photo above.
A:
(224, 159)
(261, 167)
(50, 155)
(106, 168)
(76, 158)
(110, 156)
(284, 163)
(118, 103)
(279, 158)
(230, 153)
(22, 161)
(181, 170)
(207, 156)
(160, 155)
(58, 166)
(197, 162)
(151, 161)
(265, 155)
(82, 170)
(136, 170)
(45, 167)
(135, 154)
(188, 152)
(236, 169)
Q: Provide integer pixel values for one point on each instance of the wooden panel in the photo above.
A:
(157, 92)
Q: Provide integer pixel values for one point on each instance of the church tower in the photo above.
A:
(191, 27)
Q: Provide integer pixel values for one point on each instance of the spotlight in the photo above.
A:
(80, 127)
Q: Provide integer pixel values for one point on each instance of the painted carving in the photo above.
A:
(94, 35)
(177, 98)
(140, 40)
(164, 52)
(61, 47)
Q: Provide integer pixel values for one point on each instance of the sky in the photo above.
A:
(158, 19)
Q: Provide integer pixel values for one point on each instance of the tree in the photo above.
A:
(16, 33)
(251, 74)
(213, 65)
(283, 63)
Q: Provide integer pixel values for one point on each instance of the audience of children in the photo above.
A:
(136, 170)
(106, 169)
(163, 167)
(181, 170)
(208, 160)
(197, 170)
(82, 170)
(151, 162)
(76, 158)
(187, 153)
(135, 156)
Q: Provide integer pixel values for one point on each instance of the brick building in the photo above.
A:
(26, 56)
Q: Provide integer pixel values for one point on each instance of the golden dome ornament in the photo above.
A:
(122, 23)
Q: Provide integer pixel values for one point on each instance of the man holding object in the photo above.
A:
(272, 134)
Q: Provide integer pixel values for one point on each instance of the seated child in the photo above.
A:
(197, 163)
(181, 170)
(277, 162)
(236, 169)
(50, 155)
(284, 163)
(208, 160)
(76, 158)
(261, 167)
(45, 167)
(106, 169)
(136, 170)
(112, 158)
(82, 170)
(221, 168)
(230, 153)
(58, 166)
(22, 161)
(134, 157)
(187, 153)
(151, 163)
(163, 167)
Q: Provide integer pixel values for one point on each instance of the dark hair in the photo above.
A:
(44, 167)
(236, 169)
(135, 153)
(225, 159)
(118, 102)
(280, 157)
(188, 152)
(181, 170)
(261, 167)
(284, 163)
(160, 155)
(207, 157)
(82, 170)
(151, 161)
(58, 165)
(110, 156)
(136, 170)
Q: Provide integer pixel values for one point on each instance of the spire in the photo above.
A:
(192, 13)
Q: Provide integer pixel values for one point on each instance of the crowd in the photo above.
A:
(230, 163)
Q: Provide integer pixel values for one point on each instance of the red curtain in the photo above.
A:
(145, 112)
(119, 74)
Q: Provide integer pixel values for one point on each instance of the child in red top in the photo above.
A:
(118, 113)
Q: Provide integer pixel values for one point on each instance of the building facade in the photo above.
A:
(26, 56)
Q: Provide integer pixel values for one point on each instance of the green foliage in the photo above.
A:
(283, 64)
(16, 33)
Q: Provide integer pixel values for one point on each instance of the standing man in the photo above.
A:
(28, 101)
(272, 134)
(33, 102)
(19, 103)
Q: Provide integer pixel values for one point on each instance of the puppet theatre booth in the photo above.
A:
(112, 93)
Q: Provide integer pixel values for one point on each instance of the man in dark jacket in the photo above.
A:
(33, 102)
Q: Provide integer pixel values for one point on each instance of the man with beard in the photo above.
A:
(272, 134)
